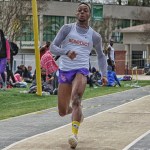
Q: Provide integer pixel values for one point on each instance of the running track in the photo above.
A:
(118, 121)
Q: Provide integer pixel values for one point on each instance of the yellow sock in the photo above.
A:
(75, 127)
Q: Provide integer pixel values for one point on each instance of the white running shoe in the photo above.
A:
(73, 141)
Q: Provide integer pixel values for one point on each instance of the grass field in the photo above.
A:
(13, 103)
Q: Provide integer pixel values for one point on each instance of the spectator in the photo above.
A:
(13, 51)
(111, 54)
(111, 76)
(48, 63)
(27, 74)
(19, 70)
(46, 85)
(4, 57)
(44, 48)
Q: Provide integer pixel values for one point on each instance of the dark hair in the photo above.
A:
(86, 5)
(48, 42)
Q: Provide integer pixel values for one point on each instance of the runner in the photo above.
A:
(73, 44)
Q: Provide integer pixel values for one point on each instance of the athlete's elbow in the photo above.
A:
(52, 48)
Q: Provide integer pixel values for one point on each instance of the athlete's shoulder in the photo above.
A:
(96, 36)
(68, 25)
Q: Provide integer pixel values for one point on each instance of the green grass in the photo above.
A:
(13, 103)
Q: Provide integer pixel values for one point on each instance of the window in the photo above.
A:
(117, 36)
(71, 19)
(138, 59)
(51, 25)
(27, 29)
(137, 22)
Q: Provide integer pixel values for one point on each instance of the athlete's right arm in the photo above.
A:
(102, 63)
(61, 35)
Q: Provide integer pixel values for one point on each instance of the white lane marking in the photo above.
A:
(10, 146)
(136, 140)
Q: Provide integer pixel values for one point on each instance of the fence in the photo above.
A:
(29, 59)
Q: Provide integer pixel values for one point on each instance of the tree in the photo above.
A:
(139, 2)
(105, 28)
(146, 3)
(11, 14)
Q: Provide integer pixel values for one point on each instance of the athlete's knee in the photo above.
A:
(76, 99)
(76, 103)
(63, 112)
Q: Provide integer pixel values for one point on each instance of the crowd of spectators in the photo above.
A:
(25, 74)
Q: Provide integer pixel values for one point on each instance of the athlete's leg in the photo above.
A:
(64, 96)
(78, 88)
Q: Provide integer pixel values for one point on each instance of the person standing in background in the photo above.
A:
(13, 52)
(111, 54)
(74, 43)
(4, 57)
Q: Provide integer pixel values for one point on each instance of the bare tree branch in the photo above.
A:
(11, 15)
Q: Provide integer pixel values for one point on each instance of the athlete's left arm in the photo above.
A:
(97, 42)
(55, 47)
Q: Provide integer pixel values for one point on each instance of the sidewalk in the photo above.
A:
(109, 130)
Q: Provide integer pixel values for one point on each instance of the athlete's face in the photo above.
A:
(83, 13)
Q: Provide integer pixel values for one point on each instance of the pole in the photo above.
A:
(37, 52)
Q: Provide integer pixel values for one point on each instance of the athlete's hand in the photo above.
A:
(72, 54)
(104, 81)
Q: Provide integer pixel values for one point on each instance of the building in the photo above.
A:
(137, 47)
(58, 13)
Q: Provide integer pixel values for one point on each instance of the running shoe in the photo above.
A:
(73, 141)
